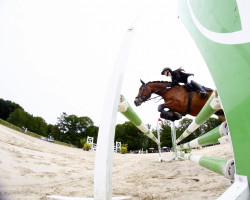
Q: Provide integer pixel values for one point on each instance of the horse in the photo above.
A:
(178, 99)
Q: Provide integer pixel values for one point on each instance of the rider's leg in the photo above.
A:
(196, 86)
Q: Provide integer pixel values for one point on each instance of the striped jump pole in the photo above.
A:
(211, 106)
(159, 138)
(174, 146)
(130, 114)
(221, 166)
(212, 137)
(174, 156)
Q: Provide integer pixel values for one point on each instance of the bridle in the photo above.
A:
(145, 98)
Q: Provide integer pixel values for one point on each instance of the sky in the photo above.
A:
(58, 55)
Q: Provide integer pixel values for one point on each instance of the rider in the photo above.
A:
(178, 76)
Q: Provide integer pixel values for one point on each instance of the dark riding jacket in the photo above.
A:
(179, 77)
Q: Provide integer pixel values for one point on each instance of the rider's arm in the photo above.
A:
(176, 78)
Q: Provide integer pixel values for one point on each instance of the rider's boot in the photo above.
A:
(198, 88)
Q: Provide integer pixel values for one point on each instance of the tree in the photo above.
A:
(61, 123)
(210, 124)
(7, 107)
(84, 123)
(165, 132)
(92, 131)
(128, 133)
(35, 124)
(183, 125)
(55, 133)
(49, 128)
(41, 126)
(73, 128)
(150, 143)
(18, 117)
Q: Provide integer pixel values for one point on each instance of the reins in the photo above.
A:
(158, 94)
(143, 97)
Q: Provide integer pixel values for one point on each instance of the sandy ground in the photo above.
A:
(32, 169)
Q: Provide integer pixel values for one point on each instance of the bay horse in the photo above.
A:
(178, 99)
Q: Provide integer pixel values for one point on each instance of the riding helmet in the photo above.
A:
(166, 69)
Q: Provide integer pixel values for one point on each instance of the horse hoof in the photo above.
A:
(163, 115)
(177, 116)
(166, 115)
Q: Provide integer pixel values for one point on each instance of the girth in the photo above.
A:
(190, 96)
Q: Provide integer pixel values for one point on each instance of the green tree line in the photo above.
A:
(74, 130)
(68, 128)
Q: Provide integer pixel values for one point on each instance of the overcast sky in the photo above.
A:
(57, 55)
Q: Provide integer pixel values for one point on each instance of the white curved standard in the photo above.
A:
(105, 142)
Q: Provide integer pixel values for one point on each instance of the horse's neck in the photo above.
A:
(158, 88)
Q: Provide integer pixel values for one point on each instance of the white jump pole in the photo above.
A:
(159, 138)
(173, 136)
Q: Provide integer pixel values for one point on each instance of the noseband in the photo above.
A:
(143, 98)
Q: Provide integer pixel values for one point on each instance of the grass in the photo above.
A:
(7, 124)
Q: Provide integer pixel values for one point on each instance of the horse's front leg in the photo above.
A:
(168, 115)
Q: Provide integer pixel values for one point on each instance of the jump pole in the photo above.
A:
(159, 138)
(174, 156)
(105, 142)
(130, 114)
(216, 135)
(221, 166)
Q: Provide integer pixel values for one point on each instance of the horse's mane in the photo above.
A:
(158, 82)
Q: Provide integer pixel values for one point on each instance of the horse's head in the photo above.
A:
(143, 95)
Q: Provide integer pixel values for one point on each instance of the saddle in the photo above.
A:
(191, 91)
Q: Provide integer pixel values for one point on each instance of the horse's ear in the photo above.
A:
(142, 82)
